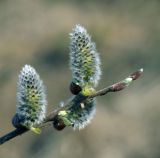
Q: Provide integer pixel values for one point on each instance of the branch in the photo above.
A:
(11, 135)
(75, 99)
(119, 85)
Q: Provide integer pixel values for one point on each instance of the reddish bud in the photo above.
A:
(58, 123)
(16, 122)
(75, 88)
(136, 74)
(118, 86)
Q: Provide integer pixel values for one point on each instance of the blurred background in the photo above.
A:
(127, 34)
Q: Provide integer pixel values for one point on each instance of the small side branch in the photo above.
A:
(119, 85)
(76, 99)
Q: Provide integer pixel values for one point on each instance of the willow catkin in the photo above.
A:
(86, 72)
(31, 98)
(84, 59)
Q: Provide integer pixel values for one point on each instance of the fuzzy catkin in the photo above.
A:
(84, 59)
(86, 72)
(31, 97)
(81, 115)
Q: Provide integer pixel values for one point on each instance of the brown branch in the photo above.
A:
(76, 99)
(119, 85)
(49, 118)
(11, 135)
